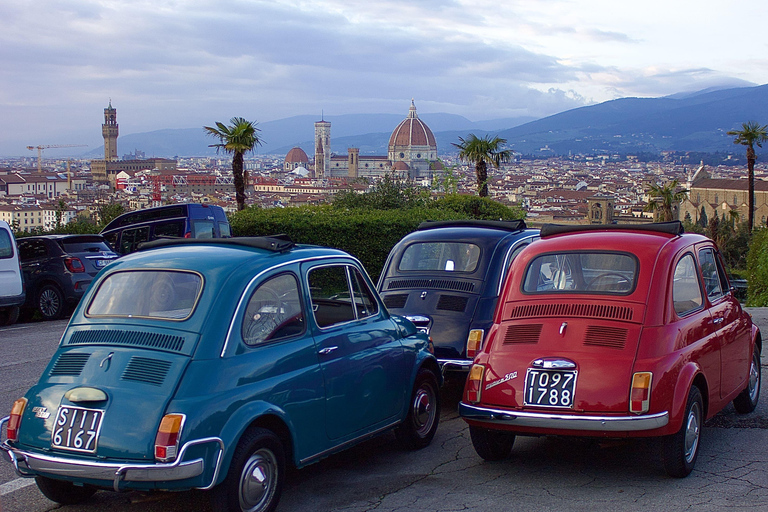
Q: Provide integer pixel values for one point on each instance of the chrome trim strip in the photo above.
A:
(454, 364)
(26, 462)
(563, 421)
(348, 443)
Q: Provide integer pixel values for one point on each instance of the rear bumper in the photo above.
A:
(12, 300)
(30, 464)
(454, 365)
(549, 421)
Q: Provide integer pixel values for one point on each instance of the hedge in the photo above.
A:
(757, 269)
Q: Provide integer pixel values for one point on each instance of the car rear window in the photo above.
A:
(165, 294)
(582, 272)
(86, 245)
(441, 256)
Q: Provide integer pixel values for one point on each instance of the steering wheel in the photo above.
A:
(163, 295)
(263, 315)
(619, 278)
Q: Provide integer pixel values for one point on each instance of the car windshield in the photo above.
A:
(165, 294)
(441, 256)
(582, 272)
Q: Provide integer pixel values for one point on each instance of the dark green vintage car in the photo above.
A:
(215, 363)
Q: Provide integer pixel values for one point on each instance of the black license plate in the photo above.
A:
(76, 429)
(550, 388)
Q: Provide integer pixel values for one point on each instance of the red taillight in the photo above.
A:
(74, 265)
(12, 431)
(188, 234)
(640, 396)
(167, 439)
(474, 342)
(474, 385)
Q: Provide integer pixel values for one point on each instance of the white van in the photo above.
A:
(11, 282)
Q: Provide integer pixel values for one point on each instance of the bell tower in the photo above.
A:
(109, 131)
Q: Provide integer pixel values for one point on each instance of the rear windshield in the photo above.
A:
(444, 256)
(203, 229)
(86, 245)
(582, 272)
(166, 294)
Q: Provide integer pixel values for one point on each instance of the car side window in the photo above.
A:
(712, 281)
(686, 292)
(274, 311)
(365, 303)
(32, 249)
(6, 248)
(331, 297)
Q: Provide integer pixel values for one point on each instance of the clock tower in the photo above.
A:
(109, 131)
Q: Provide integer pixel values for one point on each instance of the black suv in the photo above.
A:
(58, 269)
(446, 278)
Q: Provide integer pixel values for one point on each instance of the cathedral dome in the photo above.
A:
(412, 131)
(296, 155)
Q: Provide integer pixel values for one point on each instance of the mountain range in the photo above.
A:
(695, 122)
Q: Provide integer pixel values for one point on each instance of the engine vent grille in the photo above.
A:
(395, 301)
(601, 336)
(441, 284)
(147, 370)
(581, 310)
(69, 364)
(133, 338)
(452, 303)
(526, 333)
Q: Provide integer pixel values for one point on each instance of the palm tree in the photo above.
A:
(238, 139)
(664, 197)
(751, 133)
(481, 151)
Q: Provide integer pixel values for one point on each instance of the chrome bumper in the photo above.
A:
(455, 364)
(563, 421)
(29, 464)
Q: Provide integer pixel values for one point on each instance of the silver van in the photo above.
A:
(11, 282)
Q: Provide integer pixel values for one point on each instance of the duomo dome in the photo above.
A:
(413, 143)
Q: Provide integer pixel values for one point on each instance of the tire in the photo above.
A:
(256, 475)
(63, 492)
(50, 302)
(9, 315)
(682, 448)
(420, 424)
(746, 402)
(490, 444)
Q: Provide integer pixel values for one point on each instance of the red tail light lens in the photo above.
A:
(473, 390)
(14, 422)
(167, 439)
(74, 265)
(188, 234)
(474, 342)
(640, 396)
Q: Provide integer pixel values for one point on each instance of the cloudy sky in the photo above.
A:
(187, 63)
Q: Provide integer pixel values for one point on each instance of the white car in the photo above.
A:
(11, 284)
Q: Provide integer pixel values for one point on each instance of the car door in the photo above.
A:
(34, 255)
(733, 336)
(359, 349)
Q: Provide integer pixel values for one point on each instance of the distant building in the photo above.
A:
(296, 157)
(722, 196)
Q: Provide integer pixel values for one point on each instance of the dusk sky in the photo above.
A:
(188, 63)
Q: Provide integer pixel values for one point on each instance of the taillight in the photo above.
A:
(474, 383)
(74, 265)
(12, 431)
(167, 439)
(640, 396)
(474, 342)
(188, 234)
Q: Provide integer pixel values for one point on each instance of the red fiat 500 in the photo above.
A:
(613, 331)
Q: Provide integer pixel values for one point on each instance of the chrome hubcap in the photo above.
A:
(692, 433)
(423, 410)
(754, 378)
(258, 480)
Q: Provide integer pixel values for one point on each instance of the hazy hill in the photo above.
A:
(682, 122)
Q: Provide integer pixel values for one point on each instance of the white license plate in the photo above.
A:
(550, 388)
(102, 263)
(76, 429)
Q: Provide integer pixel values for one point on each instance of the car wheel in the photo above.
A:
(492, 444)
(682, 448)
(63, 492)
(747, 400)
(50, 302)
(420, 424)
(256, 475)
(9, 316)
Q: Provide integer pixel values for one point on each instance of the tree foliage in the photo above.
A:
(757, 269)
(480, 151)
(238, 138)
(663, 198)
(751, 134)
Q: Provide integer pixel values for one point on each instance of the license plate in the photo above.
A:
(77, 429)
(102, 263)
(550, 388)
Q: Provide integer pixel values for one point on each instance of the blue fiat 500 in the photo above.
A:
(213, 364)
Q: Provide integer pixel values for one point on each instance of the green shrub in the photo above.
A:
(757, 269)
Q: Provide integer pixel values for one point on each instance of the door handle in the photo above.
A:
(327, 350)
(718, 320)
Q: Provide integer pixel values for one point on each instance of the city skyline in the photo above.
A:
(186, 64)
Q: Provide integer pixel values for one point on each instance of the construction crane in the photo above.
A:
(46, 146)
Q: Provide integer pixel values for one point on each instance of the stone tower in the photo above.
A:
(109, 131)
(353, 161)
(322, 149)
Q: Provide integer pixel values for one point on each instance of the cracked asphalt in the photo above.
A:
(543, 474)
